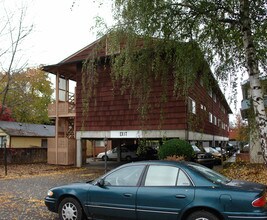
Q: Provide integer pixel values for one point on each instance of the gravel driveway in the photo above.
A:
(23, 198)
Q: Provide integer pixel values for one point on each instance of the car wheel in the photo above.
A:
(202, 215)
(103, 158)
(70, 209)
(128, 158)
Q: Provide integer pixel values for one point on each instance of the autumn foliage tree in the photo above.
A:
(6, 114)
(242, 129)
(29, 94)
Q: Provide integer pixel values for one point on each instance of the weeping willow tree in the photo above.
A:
(144, 60)
(231, 35)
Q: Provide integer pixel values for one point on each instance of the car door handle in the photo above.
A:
(127, 195)
(180, 196)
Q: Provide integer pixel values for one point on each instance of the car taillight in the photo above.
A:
(259, 202)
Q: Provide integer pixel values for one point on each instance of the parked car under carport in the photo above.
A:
(203, 157)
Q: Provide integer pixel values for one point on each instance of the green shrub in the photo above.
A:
(175, 147)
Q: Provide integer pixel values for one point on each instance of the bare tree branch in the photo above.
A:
(16, 34)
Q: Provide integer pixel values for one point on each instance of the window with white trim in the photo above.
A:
(219, 122)
(203, 107)
(214, 120)
(223, 109)
(214, 97)
(210, 92)
(192, 105)
(210, 117)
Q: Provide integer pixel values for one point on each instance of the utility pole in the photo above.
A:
(5, 155)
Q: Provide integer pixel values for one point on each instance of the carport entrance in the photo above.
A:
(92, 147)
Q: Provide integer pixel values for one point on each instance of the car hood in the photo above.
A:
(72, 186)
(249, 186)
(217, 154)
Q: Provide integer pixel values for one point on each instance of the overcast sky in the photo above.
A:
(60, 27)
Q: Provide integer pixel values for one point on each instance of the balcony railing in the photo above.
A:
(246, 103)
(65, 109)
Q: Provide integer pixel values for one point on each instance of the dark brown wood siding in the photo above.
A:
(111, 110)
(200, 121)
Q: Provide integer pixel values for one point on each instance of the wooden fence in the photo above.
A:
(24, 155)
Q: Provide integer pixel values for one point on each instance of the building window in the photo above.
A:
(192, 106)
(223, 109)
(44, 143)
(100, 143)
(210, 117)
(223, 126)
(210, 92)
(203, 107)
(214, 120)
(219, 122)
(214, 97)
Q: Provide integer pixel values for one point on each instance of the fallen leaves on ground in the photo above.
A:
(245, 171)
(28, 208)
(242, 171)
(27, 170)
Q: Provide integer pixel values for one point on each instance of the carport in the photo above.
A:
(110, 139)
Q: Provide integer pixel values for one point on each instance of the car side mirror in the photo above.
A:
(100, 182)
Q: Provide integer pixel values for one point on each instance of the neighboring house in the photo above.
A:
(23, 135)
(247, 114)
(25, 143)
(202, 116)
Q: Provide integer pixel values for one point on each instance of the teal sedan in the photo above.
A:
(160, 190)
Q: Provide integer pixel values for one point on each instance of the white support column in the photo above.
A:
(57, 117)
(78, 152)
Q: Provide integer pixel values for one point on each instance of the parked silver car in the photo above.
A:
(216, 154)
(126, 154)
(202, 157)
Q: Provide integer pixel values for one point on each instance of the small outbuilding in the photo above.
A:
(25, 139)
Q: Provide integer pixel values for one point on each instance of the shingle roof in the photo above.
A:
(27, 130)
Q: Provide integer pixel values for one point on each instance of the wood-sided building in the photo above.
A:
(201, 116)
(24, 142)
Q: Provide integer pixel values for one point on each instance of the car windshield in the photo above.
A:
(210, 174)
(196, 149)
(210, 150)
